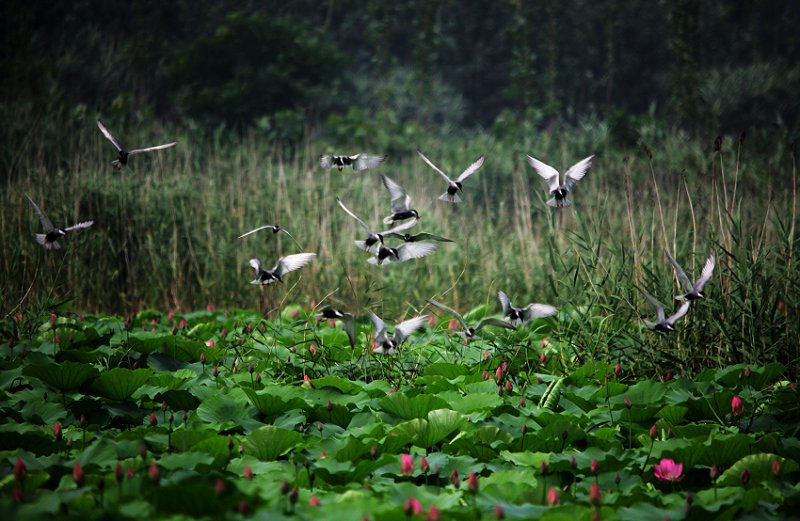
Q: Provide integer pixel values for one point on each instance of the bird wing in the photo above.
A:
(404, 329)
(395, 190)
(534, 311)
(658, 307)
(405, 225)
(705, 275)
(349, 326)
(577, 171)
(152, 149)
(415, 250)
(505, 302)
(380, 328)
(682, 278)
(678, 314)
(364, 161)
(292, 262)
(326, 161)
(79, 226)
(546, 172)
(452, 312)
(48, 226)
(428, 161)
(108, 135)
(354, 216)
(401, 204)
(425, 236)
(256, 264)
(255, 230)
(494, 322)
(471, 169)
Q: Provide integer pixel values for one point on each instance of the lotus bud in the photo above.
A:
(248, 472)
(153, 419)
(594, 466)
(21, 470)
(57, 434)
(454, 479)
(776, 468)
(498, 512)
(78, 475)
(472, 482)
(552, 497)
(153, 472)
(745, 476)
(595, 495)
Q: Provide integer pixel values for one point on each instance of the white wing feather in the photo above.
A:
(546, 172)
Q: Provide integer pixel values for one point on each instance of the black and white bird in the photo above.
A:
(275, 229)
(557, 189)
(693, 291)
(283, 266)
(49, 239)
(405, 252)
(387, 345)
(374, 237)
(122, 159)
(466, 330)
(347, 320)
(423, 236)
(401, 203)
(454, 185)
(521, 315)
(358, 161)
(663, 324)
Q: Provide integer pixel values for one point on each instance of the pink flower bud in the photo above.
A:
(433, 514)
(654, 431)
(552, 497)
(21, 470)
(595, 495)
(248, 472)
(153, 419)
(618, 370)
(219, 486)
(202, 358)
(499, 513)
(406, 465)
(314, 501)
(454, 479)
(627, 402)
(153, 472)
(57, 434)
(745, 476)
(412, 507)
(594, 466)
(472, 482)
(424, 467)
(776, 468)
(119, 473)
(78, 475)
(737, 406)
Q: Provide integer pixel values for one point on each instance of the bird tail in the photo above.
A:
(450, 199)
(117, 164)
(388, 220)
(558, 204)
(680, 298)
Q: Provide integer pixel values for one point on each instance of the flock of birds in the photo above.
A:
(401, 218)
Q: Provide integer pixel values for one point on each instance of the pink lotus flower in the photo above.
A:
(182, 324)
(594, 466)
(453, 324)
(77, 474)
(406, 465)
(210, 343)
(425, 467)
(737, 406)
(57, 432)
(552, 497)
(433, 514)
(668, 470)
(314, 501)
(595, 495)
(412, 507)
(248, 472)
(472, 482)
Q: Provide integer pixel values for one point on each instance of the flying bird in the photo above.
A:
(402, 331)
(347, 320)
(275, 229)
(405, 252)
(423, 236)
(284, 266)
(558, 190)
(467, 331)
(454, 185)
(401, 203)
(521, 315)
(693, 291)
(122, 159)
(51, 234)
(663, 324)
(374, 237)
(358, 161)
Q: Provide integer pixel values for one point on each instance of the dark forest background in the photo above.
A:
(293, 67)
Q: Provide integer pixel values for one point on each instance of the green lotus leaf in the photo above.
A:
(67, 376)
(269, 442)
(119, 384)
(760, 468)
(400, 404)
(437, 426)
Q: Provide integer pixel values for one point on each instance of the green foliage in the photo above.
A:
(340, 440)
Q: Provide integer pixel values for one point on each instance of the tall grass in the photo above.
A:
(166, 228)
